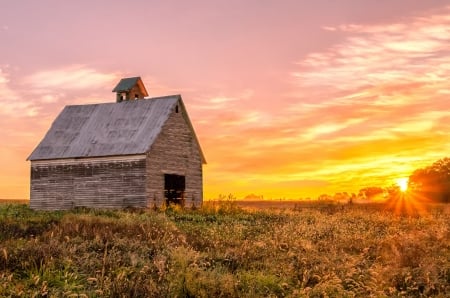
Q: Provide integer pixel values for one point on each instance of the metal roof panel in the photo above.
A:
(125, 128)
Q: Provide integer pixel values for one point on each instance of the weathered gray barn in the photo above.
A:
(134, 152)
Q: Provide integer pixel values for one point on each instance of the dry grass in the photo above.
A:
(7, 201)
(222, 250)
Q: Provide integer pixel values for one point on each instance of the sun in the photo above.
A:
(402, 184)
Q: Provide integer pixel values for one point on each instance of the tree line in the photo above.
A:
(433, 182)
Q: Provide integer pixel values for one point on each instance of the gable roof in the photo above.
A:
(108, 129)
(127, 83)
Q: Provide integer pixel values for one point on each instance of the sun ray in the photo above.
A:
(407, 203)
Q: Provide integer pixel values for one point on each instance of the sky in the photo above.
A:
(289, 99)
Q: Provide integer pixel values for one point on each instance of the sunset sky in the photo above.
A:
(289, 99)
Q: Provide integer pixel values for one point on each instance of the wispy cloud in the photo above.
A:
(363, 112)
(28, 106)
(370, 104)
(386, 86)
(11, 103)
(40, 92)
(223, 101)
(72, 77)
(374, 54)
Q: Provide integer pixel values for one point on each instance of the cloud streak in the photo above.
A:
(284, 109)
(10, 101)
(28, 107)
(72, 77)
(365, 111)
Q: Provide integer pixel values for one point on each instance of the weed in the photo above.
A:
(224, 250)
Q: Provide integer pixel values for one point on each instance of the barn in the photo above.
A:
(133, 152)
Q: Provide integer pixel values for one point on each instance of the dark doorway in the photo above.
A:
(174, 186)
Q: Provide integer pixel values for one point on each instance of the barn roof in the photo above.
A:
(108, 129)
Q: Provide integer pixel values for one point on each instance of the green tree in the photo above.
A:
(433, 181)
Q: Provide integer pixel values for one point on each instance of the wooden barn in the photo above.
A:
(134, 152)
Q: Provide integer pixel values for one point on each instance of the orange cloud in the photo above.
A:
(363, 111)
(367, 110)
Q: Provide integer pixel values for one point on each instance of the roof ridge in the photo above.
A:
(137, 100)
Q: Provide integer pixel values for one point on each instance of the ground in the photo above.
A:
(225, 250)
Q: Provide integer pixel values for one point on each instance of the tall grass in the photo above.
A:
(221, 250)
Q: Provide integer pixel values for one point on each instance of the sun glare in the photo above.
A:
(403, 184)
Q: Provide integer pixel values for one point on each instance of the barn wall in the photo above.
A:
(94, 182)
(175, 151)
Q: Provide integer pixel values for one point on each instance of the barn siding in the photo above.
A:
(175, 151)
(99, 183)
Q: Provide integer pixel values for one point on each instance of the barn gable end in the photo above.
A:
(175, 152)
(115, 155)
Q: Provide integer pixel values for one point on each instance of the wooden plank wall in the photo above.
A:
(99, 183)
(175, 151)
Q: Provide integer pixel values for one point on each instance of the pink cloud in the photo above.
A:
(369, 102)
(8, 96)
(72, 77)
(364, 111)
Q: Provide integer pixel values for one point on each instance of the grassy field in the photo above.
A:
(222, 250)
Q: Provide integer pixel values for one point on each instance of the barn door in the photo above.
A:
(174, 187)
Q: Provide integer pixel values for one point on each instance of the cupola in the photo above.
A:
(130, 89)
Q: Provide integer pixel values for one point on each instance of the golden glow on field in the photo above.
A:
(403, 184)
(408, 203)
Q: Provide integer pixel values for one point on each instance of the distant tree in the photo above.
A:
(352, 198)
(371, 192)
(324, 197)
(433, 181)
(392, 191)
(341, 197)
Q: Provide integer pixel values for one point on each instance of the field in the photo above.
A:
(225, 250)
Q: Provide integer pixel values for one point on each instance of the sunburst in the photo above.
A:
(403, 183)
(407, 202)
